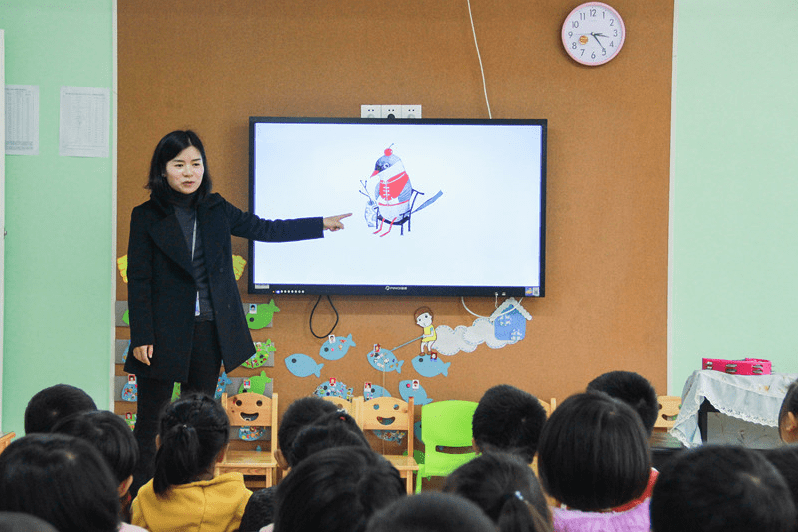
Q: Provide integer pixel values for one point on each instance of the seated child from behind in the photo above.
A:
(636, 391)
(508, 419)
(184, 494)
(51, 404)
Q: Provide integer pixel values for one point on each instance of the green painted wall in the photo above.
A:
(59, 269)
(733, 289)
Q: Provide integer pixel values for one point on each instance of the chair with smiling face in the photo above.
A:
(390, 414)
(669, 406)
(445, 429)
(258, 412)
(342, 404)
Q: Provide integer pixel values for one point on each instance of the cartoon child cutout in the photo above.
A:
(423, 317)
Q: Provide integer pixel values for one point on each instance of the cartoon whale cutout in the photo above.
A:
(419, 395)
(426, 366)
(337, 348)
(302, 365)
(385, 361)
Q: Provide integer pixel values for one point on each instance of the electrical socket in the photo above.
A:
(391, 111)
(411, 111)
(370, 111)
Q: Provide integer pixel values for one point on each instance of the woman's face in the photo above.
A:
(184, 172)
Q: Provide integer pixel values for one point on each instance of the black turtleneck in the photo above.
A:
(185, 206)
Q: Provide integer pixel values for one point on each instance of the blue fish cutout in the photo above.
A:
(221, 385)
(302, 365)
(419, 395)
(385, 361)
(378, 391)
(339, 389)
(426, 366)
(337, 348)
(395, 436)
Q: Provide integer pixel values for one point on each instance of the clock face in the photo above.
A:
(593, 33)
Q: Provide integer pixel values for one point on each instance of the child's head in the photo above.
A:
(22, 522)
(193, 434)
(334, 429)
(110, 435)
(299, 414)
(634, 390)
(593, 453)
(61, 479)
(506, 489)
(259, 511)
(336, 490)
(431, 511)
(508, 419)
(788, 415)
(785, 460)
(54, 403)
(721, 489)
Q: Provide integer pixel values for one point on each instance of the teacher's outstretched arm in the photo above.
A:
(334, 223)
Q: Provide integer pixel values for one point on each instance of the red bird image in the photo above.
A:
(393, 192)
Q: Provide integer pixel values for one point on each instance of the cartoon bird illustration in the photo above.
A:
(393, 192)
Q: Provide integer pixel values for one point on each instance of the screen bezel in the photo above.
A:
(411, 289)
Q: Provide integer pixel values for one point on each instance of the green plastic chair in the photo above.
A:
(445, 424)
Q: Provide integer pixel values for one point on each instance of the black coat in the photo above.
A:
(162, 290)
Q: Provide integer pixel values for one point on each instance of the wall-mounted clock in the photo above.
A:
(593, 33)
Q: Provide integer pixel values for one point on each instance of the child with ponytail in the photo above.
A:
(184, 494)
(506, 489)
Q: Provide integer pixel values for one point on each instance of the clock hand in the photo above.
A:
(596, 36)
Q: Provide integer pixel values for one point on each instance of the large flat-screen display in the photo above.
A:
(440, 207)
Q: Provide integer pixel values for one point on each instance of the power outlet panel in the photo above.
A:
(390, 111)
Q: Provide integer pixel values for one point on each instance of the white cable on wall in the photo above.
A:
(479, 56)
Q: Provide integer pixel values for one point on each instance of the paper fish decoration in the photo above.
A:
(262, 316)
(261, 355)
(302, 365)
(255, 384)
(409, 388)
(336, 348)
(238, 266)
(334, 388)
(130, 389)
(251, 433)
(221, 385)
(384, 360)
(430, 366)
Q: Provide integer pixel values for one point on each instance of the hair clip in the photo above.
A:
(518, 495)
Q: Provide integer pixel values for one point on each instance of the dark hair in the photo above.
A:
(167, 149)
(61, 479)
(336, 490)
(259, 511)
(785, 460)
(634, 390)
(299, 414)
(594, 453)
(790, 402)
(431, 511)
(508, 419)
(53, 403)
(506, 489)
(109, 434)
(717, 488)
(334, 429)
(193, 430)
(22, 522)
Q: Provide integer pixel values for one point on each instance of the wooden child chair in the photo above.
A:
(5, 439)
(259, 412)
(669, 406)
(390, 414)
(342, 404)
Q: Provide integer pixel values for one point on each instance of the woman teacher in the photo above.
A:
(186, 315)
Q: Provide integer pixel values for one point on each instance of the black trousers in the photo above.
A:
(154, 394)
